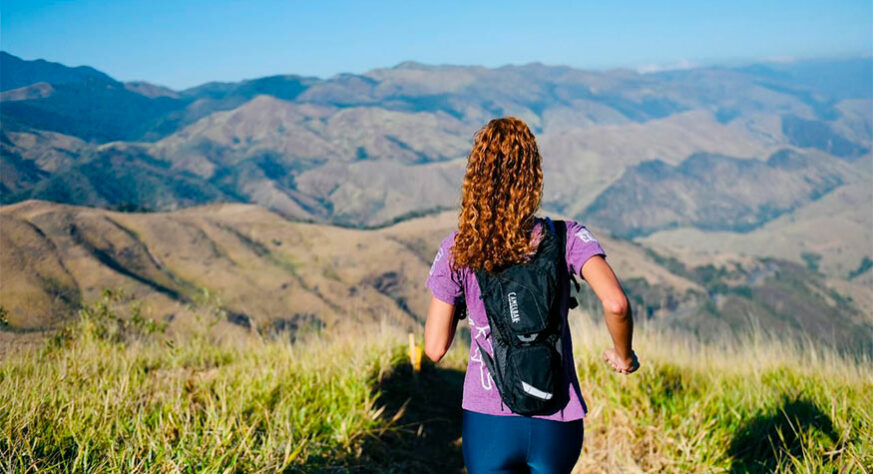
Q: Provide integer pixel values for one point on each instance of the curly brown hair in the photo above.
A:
(502, 189)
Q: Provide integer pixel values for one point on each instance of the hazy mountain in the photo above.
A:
(39, 90)
(17, 72)
(819, 135)
(833, 235)
(593, 123)
(92, 109)
(150, 90)
(839, 79)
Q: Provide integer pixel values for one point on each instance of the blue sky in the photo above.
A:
(185, 43)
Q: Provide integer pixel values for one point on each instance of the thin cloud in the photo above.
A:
(671, 66)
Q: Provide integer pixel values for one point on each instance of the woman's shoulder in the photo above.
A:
(450, 238)
(580, 240)
(444, 280)
(448, 241)
(445, 248)
(576, 229)
(571, 225)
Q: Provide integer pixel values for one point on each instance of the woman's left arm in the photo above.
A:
(439, 328)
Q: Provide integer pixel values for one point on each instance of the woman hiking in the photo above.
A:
(501, 246)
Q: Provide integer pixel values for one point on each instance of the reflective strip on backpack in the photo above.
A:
(535, 392)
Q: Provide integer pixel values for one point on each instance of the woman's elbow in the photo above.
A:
(434, 352)
(616, 305)
(434, 347)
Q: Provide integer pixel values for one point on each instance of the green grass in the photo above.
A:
(117, 394)
(121, 401)
(759, 405)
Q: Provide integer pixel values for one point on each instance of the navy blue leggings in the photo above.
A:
(511, 444)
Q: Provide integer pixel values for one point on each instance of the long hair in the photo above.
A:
(502, 189)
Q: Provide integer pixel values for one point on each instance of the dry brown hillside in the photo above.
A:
(256, 269)
(261, 268)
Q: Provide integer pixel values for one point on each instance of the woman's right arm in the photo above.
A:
(439, 328)
(619, 319)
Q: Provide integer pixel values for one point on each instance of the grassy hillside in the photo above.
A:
(836, 231)
(831, 236)
(271, 274)
(713, 192)
(256, 263)
(264, 271)
(114, 392)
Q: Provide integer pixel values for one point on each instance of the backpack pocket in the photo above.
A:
(536, 373)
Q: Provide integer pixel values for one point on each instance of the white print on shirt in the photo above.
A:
(476, 355)
(585, 236)
(436, 259)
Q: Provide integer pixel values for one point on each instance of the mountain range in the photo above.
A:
(364, 150)
(762, 166)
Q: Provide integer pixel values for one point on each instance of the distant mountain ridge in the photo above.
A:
(367, 149)
(19, 73)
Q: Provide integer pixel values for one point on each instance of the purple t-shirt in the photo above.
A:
(480, 393)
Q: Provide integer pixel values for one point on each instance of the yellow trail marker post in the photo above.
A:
(415, 352)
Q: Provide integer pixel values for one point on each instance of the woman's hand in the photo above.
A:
(619, 320)
(619, 364)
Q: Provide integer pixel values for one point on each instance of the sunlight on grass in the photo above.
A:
(90, 402)
(758, 404)
(117, 394)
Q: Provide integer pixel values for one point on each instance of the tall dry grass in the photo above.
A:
(115, 395)
(755, 403)
(105, 398)
(751, 403)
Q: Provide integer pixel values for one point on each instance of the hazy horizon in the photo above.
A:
(181, 46)
(650, 68)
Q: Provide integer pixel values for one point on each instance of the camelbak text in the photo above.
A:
(513, 307)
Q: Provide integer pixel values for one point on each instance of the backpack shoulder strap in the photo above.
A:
(559, 227)
(551, 223)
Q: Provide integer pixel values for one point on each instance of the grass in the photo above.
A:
(759, 405)
(114, 394)
(120, 400)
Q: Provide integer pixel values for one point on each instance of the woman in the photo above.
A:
(496, 228)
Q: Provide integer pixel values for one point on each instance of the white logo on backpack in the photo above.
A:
(513, 307)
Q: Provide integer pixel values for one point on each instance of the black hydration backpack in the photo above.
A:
(522, 303)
